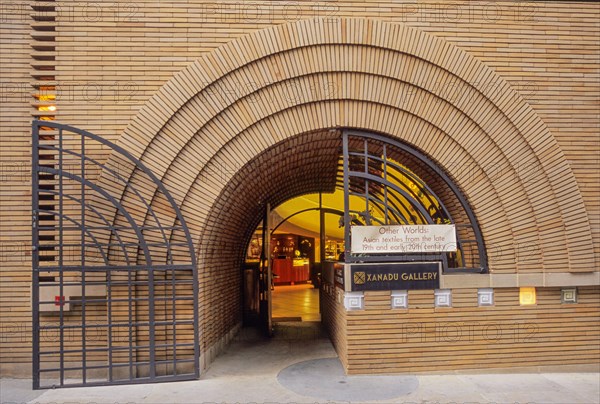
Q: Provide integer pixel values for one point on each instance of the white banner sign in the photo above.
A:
(403, 239)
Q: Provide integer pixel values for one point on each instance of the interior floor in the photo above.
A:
(295, 303)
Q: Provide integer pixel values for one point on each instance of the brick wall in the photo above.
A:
(226, 107)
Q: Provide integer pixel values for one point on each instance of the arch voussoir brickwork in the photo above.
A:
(226, 108)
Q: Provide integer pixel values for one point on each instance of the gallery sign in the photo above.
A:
(396, 276)
(431, 238)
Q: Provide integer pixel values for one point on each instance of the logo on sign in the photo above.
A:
(359, 278)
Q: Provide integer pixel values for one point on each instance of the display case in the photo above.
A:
(333, 249)
(292, 256)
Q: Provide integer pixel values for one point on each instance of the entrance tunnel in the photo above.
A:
(312, 163)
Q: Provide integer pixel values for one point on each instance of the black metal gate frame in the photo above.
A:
(58, 208)
(366, 177)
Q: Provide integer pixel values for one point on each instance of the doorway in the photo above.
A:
(304, 233)
(363, 179)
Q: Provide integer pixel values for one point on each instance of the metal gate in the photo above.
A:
(392, 183)
(115, 286)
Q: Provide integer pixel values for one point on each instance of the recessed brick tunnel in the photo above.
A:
(302, 164)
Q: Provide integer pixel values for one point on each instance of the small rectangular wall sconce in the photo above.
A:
(399, 299)
(568, 295)
(443, 298)
(485, 297)
(354, 301)
(527, 296)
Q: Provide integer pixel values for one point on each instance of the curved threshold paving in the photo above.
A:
(325, 379)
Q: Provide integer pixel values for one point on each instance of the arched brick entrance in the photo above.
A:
(228, 107)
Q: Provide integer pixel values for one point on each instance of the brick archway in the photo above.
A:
(229, 106)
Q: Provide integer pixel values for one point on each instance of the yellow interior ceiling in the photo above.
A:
(310, 220)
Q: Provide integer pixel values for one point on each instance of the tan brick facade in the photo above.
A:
(502, 96)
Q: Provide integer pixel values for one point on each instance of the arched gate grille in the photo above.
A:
(115, 287)
(391, 185)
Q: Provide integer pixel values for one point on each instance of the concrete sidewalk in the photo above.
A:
(288, 369)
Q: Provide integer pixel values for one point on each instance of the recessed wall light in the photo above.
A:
(527, 296)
